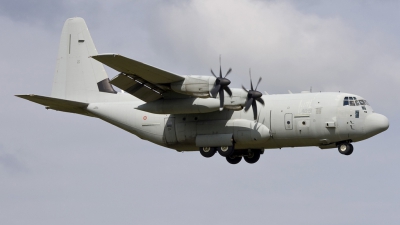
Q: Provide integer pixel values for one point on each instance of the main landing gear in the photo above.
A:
(208, 151)
(233, 156)
(345, 148)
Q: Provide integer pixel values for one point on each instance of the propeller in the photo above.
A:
(252, 96)
(221, 84)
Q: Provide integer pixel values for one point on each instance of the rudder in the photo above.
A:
(78, 77)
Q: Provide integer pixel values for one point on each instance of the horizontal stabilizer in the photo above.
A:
(57, 104)
(130, 66)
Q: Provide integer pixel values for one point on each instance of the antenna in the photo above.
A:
(311, 89)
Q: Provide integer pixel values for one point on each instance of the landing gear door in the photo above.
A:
(289, 121)
(169, 130)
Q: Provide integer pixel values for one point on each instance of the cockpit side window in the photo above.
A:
(346, 101)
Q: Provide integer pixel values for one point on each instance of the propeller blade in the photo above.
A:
(254, 106)
(259, 80)
(248, 104)
(260, 100)
(245, 89)
(213, 73)
(220, 71)
(251, 83)
(214, 90)
(221, 98)
(228, 90)
(229, 71)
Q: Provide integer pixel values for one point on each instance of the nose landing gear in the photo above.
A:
(345, 148)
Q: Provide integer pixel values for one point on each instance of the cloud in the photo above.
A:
(288, 48)
(82, 170)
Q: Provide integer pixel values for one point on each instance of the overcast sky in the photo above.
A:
(60, 168)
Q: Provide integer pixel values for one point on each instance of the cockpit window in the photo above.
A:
(352, 101)
(346, 101)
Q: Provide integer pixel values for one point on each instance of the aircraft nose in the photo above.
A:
(375, 124)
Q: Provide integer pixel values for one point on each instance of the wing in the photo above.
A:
(145, 82)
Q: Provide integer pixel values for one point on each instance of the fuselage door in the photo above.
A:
(289, 121)
(169, 130)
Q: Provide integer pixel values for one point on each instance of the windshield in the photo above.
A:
(353, 101)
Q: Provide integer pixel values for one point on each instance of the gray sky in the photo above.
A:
(59, 168)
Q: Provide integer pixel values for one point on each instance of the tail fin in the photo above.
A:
(78, 77)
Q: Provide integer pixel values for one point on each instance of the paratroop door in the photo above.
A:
(169, 130)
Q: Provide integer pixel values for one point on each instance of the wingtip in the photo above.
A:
(22, 96)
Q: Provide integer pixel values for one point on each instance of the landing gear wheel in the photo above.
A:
(225, 150)
(252, 157)
(233, 159)
(207, 151)
(351, 149)
(345, 148)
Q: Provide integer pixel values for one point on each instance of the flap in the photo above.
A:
(137, 87)
(130, 66)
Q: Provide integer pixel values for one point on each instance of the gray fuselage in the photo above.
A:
(291, 120)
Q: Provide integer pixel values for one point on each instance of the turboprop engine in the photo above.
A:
(195, 105)
(197, 86)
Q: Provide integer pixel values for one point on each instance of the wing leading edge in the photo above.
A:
(143, 81)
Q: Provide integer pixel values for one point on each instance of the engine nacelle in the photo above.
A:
(198, 86)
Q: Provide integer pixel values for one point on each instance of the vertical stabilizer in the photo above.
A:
(78, 77)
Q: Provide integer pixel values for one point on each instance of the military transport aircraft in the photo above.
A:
(200, 113)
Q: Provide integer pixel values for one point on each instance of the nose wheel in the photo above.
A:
(345, 148)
